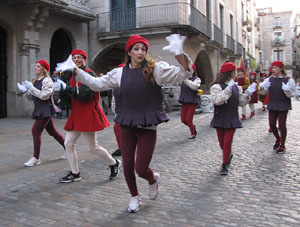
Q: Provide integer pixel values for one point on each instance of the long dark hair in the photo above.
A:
(222, 77)
(147, 65)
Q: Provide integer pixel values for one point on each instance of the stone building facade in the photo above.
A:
(275, 39)
(296, 45)
(216, 30)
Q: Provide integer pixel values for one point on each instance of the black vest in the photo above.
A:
(141, 101)
(227, 115)
(42, 108)
(277, 99)
(188, 95)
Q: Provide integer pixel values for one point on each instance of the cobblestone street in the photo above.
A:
(262, 188)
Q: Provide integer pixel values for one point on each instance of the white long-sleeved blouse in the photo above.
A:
(44, 93)
(163, 74)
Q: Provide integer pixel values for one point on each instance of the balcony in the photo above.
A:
(230, 43)
(153, 19)
(278, 42)
(79, 10)
(239, 49)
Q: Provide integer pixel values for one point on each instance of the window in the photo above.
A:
(276, 21)
(278, 55)
(277, 37)
(231, 25)
(222, 17)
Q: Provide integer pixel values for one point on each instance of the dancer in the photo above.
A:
(244, 82)
(86, 119)
(280, 88)
(254, 96)
(189, 101)
(226, 97)
(40, 91)
(140, 81)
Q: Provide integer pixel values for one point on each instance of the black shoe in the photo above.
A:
(224, 171)
(276, 145)
(229, 160)
(191, 137)
(70, 177)
(114, 169)
(116, 153)
(280, 150)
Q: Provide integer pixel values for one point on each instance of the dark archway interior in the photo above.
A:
(3, 72)
(109, 58)
(204, 70)
(61, 47)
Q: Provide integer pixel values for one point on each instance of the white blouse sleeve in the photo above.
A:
(194, 85)
(219, 96)
(244, 97)
(46, 90)
(106, 82)
(263, 91)
(171, 74)
(290, 93)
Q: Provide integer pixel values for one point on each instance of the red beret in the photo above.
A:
(44, 64)
(121, 65)
(278, 63)
(194, 67)
(240, 69)
(136, 39)
(227, 67)
(79, 51)
(253, 74)
(264, 75)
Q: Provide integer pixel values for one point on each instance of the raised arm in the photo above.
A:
(109, 81)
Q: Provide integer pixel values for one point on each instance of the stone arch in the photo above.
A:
(108, 58)
(60, 47)
(204, 70)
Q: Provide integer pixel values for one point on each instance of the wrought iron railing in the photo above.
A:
(218, 35)
(230, 43)
(172, 14)
(239, 48)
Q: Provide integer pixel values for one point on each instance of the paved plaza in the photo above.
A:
(262, 188)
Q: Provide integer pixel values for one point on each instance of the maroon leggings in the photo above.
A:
(140, 143)
(187, 115)
(117, 129)
(37, 129)
(281, 116)
(225, 137)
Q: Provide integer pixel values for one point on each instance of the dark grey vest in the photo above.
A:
(188, 95)
(227, 115)
(277, 99)
(141, 101)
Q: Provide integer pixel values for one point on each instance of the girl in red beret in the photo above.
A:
(280, 89)
(189, 101)
(226, 97)
(140, 81)
(86, 119)
(40, 91)
(254, 96)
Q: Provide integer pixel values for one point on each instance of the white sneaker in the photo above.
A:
(135, 203)
(153, 188)
(32, 162)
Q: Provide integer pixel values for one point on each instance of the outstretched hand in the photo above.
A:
(28, 85)
(175, 44)
(252, 88)
(67, 65)
(22, 87)
(285, 87)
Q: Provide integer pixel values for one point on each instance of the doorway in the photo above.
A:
(3, 73)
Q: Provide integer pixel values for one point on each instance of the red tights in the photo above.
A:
(137, 146)
(225, 137)
(187, 115)
(281, 116)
